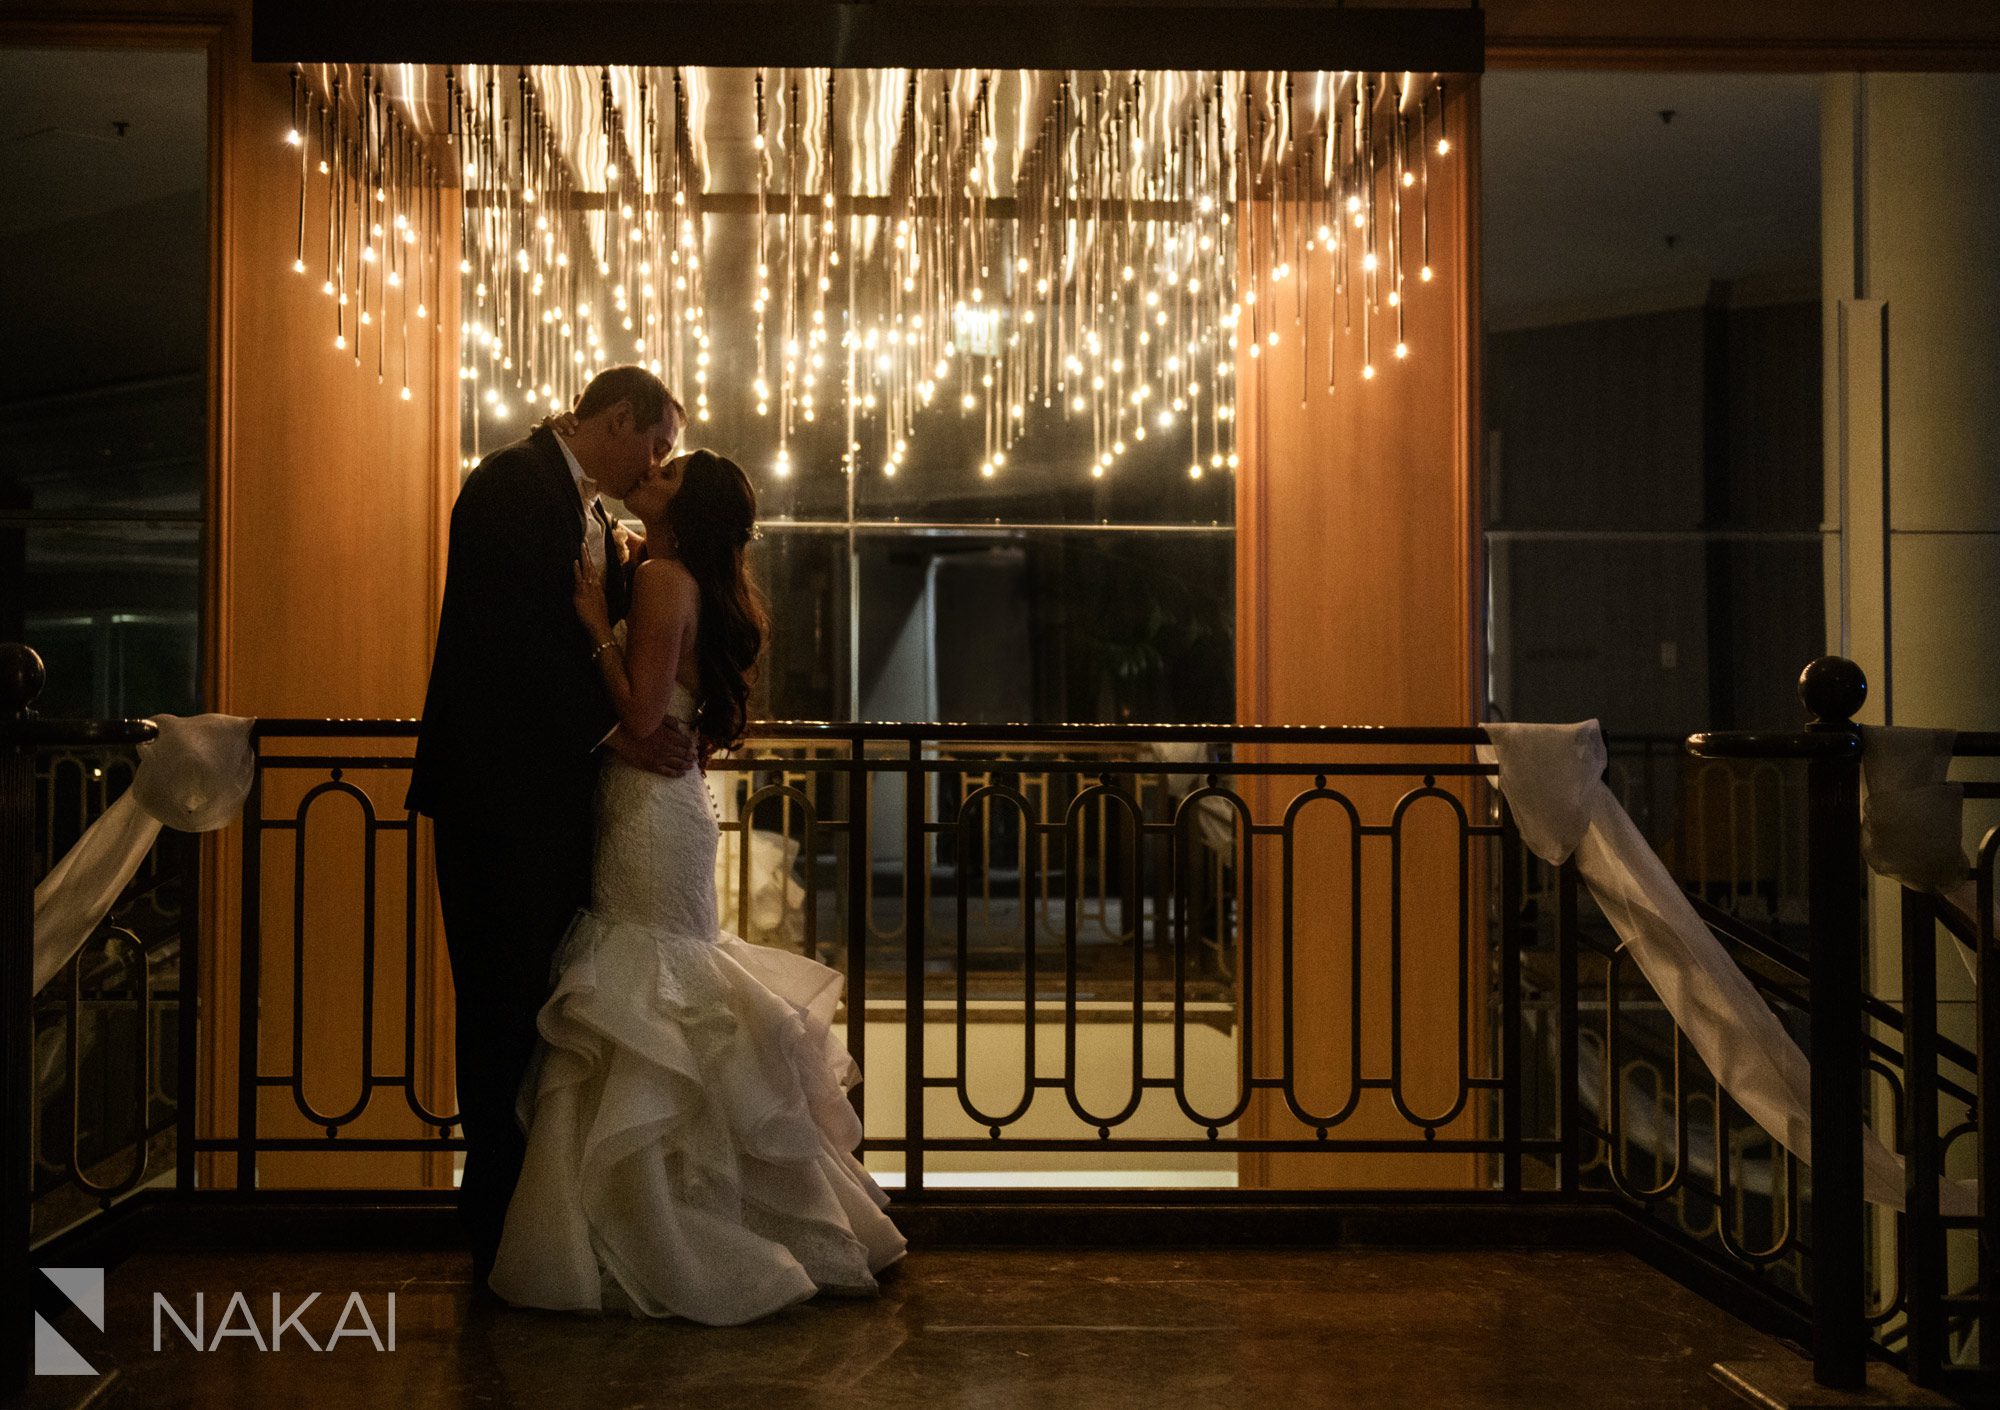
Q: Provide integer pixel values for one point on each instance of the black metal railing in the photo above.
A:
(111, 1053)
(31, 823)
(1082, 887)
(1950, 1131)
(1291, 953)
(1833, 690)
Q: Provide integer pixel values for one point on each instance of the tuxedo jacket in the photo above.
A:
(515, 707)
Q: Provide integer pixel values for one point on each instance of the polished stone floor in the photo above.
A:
(994, 1330)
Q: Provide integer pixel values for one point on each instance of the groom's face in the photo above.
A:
(632, 451)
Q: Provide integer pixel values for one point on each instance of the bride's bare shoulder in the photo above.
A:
(667, 578)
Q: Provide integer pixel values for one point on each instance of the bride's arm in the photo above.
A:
(640, 677)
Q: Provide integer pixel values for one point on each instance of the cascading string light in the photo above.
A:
(383, 198)
(1099, 259)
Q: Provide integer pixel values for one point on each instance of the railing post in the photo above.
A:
(1987, 989)
(21, 678)
(859, 874)
(1511, 936)
(916, 929)
(1570, 1095)
(1923, 1238)
(1833, 689)
(249, 961)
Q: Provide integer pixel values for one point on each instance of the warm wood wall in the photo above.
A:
(326, 504)
(327, 511)
(1356, 565)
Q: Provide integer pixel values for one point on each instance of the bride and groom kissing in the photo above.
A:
(654, 1110)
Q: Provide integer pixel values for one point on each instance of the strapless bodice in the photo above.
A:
(680, 704)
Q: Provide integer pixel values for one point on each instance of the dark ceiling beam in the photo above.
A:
(888, 34)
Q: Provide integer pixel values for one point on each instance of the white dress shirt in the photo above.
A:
(593, 528)
(586, 492)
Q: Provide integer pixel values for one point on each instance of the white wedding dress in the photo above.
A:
(690, 1142)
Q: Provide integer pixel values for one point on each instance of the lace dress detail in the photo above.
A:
(690, 1140)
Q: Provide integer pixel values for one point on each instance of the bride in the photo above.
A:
(689, 1136)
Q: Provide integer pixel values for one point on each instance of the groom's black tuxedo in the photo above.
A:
(515, 705)
(506, 765)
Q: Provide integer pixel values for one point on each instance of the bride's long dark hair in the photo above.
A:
(714, 515)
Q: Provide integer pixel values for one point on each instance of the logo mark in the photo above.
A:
(84, 1287)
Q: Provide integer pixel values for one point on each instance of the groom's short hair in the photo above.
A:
(632, 384)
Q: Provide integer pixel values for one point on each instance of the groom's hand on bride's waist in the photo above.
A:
(668, 750)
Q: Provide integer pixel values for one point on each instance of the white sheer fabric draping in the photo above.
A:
(193, 778)
(1552, 778)
(1912, 821)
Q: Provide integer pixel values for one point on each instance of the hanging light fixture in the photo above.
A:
(1017, 250)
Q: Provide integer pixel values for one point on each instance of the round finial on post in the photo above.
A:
(22, 676)
(1833, 690)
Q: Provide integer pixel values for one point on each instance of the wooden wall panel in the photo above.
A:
(327, 514)
(1356, 574)
(327, 502)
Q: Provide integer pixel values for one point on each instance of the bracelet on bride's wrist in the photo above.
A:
(602, 647)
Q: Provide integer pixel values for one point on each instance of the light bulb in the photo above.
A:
(1367, 370)
(1444, 146)
(298, 266)
(1409, 178)
(1425, 274)
(1194, 470)
(292, 138)
(1402, 350)
(406, 394)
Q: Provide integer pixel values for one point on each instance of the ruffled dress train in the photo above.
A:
(690, 1140)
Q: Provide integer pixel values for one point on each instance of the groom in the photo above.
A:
(506, 762)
